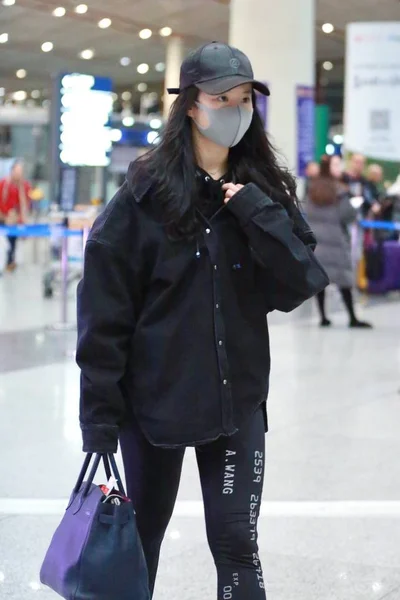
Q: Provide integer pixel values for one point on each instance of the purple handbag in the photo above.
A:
(96, 552)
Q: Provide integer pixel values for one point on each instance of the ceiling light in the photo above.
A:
(8, 2)
(165, 31)
(142, 87)
(143, 68)
(116, 135)
(145, 34)
(330, 149)
(59, 12)
(2, 92)
(104, 23)
(327, 65)
(155, 123)
(21, 73)
(46, 103)
(338, 139)
(160, 67)
(114, 96)
(35, 94)
(328, 28)
(87, 54)
(20, 96)
(81, 9)
(128, 121)
(125, 61)
(152, 137)
(3, 38)
(47, 47)
(126, 96)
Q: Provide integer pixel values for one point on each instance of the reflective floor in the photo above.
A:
(330, 528)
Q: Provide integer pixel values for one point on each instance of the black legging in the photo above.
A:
(347, 297)
(12, 240)
(231, 474)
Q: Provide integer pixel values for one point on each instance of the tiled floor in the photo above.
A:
(331, 516)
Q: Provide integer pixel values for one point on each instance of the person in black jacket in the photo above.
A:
(201, 242)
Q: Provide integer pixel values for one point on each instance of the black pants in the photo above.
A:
(12, 240)
(231, 474)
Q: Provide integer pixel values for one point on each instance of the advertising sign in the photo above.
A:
(84, 129)
(305, 127)
(372, 90)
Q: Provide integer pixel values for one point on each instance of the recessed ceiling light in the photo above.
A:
(21, 73)
(8, 2)
(165, 31)
(126, 96)
(145, 34)
(160, 67)
(81, 9)
(143, 68)
(142, 87)
(87, 54)
(3, 38)
(47, 47)
(20, 96)
(327, 65)
(35, 94)
(328, 28)
(116, 135)
(59, 12)
(125, 61)
(2, 92)
(128, 121)
(104, 23)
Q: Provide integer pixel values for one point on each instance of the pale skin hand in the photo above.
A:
(230, 190)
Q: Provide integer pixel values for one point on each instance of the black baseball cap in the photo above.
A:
(217, 68)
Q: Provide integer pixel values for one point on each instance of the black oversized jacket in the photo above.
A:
(175, 332)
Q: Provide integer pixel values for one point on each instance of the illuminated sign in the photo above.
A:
(85, 132)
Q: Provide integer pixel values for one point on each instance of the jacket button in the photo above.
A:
(217, 306)
(220, 343)
(215, 268)
(208, 231)
(225, 382)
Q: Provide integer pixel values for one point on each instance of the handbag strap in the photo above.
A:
(110, 466)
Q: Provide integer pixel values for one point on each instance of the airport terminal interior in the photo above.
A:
(329, 527)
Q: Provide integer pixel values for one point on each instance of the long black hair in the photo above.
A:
(172, 165)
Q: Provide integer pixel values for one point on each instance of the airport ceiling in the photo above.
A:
(27, 24)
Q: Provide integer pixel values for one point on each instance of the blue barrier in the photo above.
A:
(389, 226)
(40, 230)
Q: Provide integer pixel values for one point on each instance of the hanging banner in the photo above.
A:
(372, 90)
(262, 106)
(305, 127)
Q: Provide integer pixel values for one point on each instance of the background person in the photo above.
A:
(330, 214)
(203, 240)
(14, 205)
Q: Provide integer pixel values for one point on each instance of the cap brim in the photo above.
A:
(224, 84)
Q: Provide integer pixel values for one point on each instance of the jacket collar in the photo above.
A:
(139, 182)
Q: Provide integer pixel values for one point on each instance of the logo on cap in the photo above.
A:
(235, 63)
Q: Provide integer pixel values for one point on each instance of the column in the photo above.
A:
(173, 61)
(279, 38)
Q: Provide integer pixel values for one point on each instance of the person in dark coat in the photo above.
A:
(201, 242)
(330, 212)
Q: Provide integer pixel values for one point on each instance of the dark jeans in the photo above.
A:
(12, 240)
(231, 474)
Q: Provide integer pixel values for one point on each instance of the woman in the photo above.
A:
(330, 213)
(14, 206)
(201, 242)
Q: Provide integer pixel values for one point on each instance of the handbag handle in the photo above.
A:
(108, 459)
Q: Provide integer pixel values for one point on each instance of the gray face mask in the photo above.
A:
(227, 125)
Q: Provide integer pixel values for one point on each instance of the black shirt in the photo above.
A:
(175, 332)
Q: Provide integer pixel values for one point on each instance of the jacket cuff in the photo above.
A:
(248, 202)
(101, 439)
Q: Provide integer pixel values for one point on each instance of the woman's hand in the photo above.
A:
(230, 190)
